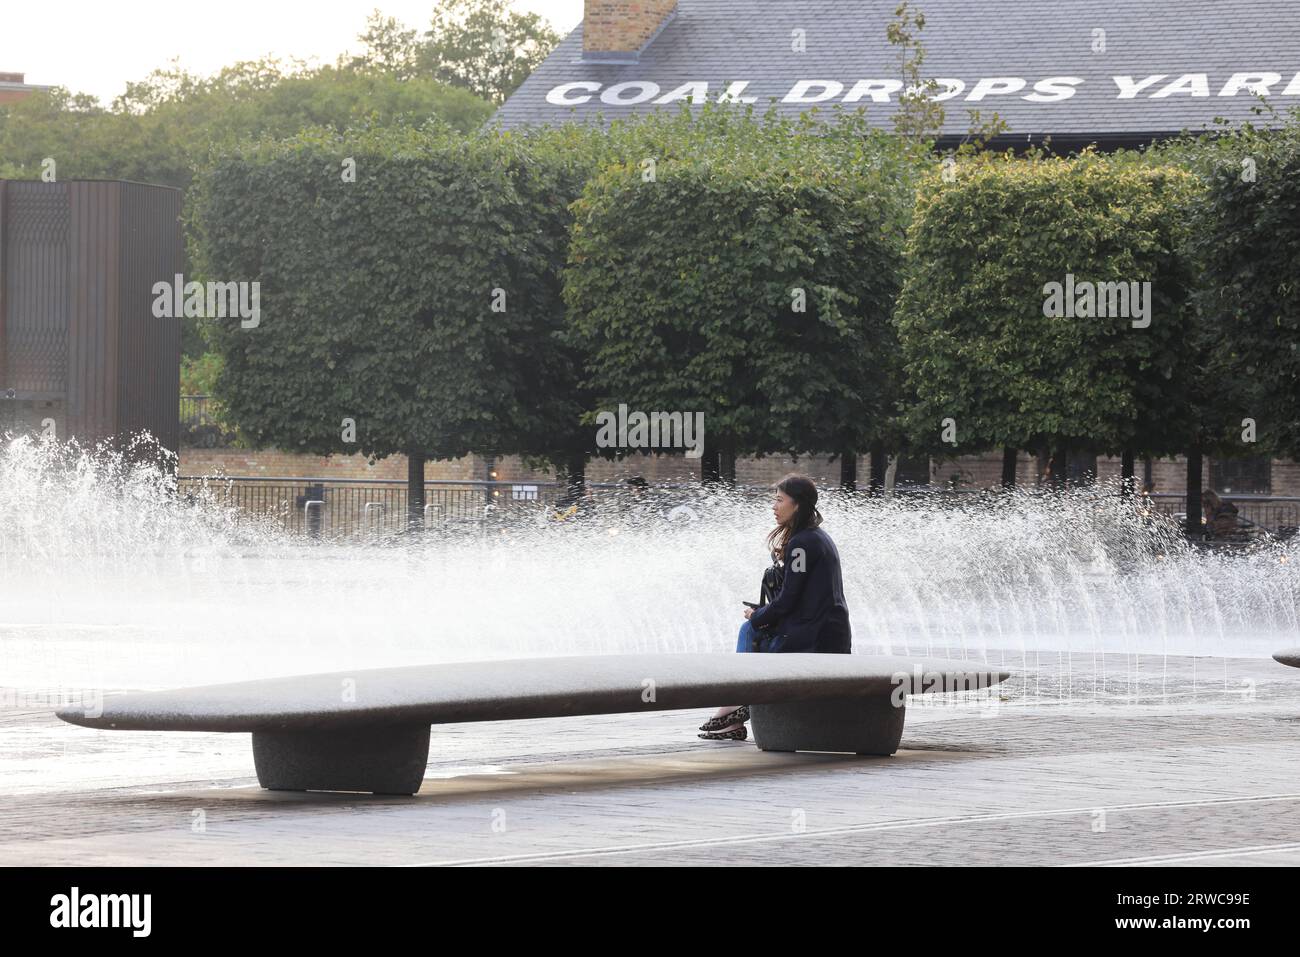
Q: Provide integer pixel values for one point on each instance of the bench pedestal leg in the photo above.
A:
(383, 760)
(858, 725)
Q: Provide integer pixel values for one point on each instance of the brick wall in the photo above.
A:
(654, 469)
(622, 26)
(1286, 478)
(1168, 475)
(981, 471)
(273, 462)
(973, 471)
(13, 89)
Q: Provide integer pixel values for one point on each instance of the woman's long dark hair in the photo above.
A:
(804, 492)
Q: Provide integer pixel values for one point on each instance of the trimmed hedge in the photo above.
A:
(1247, 246)
(979, 349)
(689, 250)
(378, 295)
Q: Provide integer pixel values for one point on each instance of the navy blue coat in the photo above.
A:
(810, 613)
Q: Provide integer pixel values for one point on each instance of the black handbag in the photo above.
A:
(773, 578)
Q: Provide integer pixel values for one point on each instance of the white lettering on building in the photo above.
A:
(1052, 89)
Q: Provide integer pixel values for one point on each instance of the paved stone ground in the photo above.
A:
(1078, 760)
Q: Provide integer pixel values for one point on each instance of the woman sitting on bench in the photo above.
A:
(809, 613)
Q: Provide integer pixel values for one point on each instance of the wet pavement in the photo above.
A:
(1078, 760)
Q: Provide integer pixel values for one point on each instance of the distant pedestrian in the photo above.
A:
(1220, 516)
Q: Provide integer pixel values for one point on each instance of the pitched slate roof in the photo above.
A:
(721, 42)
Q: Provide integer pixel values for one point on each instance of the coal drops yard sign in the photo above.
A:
(1051, 89)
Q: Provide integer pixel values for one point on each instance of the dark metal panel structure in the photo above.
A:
(149, 397)
(78, 338)
(36, 298)
(92, 357)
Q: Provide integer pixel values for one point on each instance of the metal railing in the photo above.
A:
(334, 508)
(1273, 512)
(200, 427)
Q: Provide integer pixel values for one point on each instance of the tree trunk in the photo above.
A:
(710, 466)
(727, 462)
(1195, 527)
(1010, 457)
(415, 490)
(575, 477)
(1060, 465)
(1090, 469)
(1127, 484)
(878, 465)
(849, 471)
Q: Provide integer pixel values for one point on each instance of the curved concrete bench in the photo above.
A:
(369, 730)
(1289, 657)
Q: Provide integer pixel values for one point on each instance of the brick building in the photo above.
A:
(13, 87)
(1105, 72)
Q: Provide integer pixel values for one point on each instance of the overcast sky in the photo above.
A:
(96, 46)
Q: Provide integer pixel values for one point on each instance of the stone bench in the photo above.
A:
(369, 730)
(1289, 657)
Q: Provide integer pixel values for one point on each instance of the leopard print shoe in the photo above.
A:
(740, 734)
(739, 716)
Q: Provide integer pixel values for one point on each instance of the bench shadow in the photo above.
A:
(570, 776)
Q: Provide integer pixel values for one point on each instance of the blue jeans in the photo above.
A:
(749, 636)
(745, 641)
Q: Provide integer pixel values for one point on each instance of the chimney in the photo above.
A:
(617, 30)
(12, 77)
